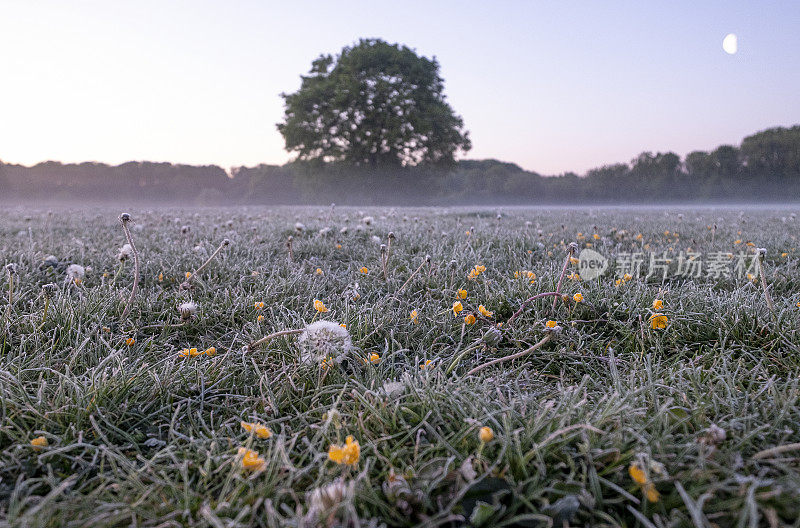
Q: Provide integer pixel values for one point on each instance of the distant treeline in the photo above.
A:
(766, 166)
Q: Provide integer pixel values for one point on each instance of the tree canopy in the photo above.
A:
(373, 105)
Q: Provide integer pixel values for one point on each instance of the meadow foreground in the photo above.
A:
(342, 367)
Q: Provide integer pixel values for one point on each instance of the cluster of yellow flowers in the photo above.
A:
(251, 460)
(192, 352)
(474, 272)
(640, 477)
(260, 430)
(625, 278)
(346, 454)
(531, 276)
(658, 321)
(363, 270)
(319, 306)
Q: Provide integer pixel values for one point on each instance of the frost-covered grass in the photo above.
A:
(706, 409)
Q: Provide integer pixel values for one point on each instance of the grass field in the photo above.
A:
(111, 419)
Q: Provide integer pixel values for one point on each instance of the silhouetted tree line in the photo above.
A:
(766, 166)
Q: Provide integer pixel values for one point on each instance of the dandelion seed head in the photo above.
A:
(324, 339)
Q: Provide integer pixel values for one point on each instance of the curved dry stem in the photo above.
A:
(512, 357)
(273, 336)
(124, 221)
(526, 302)
(214, 254)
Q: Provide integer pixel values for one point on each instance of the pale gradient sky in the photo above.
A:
(552, 86)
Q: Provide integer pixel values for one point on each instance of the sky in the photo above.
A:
(552, 86)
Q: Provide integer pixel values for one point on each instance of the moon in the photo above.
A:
(730, 44)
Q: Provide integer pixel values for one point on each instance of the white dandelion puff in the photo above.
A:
(322, 340)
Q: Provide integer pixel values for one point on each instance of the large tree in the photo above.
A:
(374, 105)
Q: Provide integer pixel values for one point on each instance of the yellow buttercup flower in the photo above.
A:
(658, 321)
(627, 277)
(486, 434)
(484, 312)
(160, 277)
(551, 324)
(347, 454)
(469, 319)
(319, 272)
(414, 316)
(658, 304)
(426, 365)
(578, 297)
(251, 460)
(260, 318)
(640, 477)
(260, 430)
(130, 341)
(457, 307)
(320, 306)
(462, 294)
(39, 442)
(363, 270)
(374, 358)
(188, 274)
(259, 306)
(596, 236)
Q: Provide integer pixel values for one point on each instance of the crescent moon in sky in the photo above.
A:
(730, 44)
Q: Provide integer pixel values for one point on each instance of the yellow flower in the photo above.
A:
(189, 352)
(319, 272)
(39, 442)
(374, 358)
(639, 477)
(364, 270)
(320, 306)
(343, 325)
(345, 454)
(260, 318)
(637, 474)
(486, 434)
(574, 261)
(414, 316)
(210, 351)
(484, 312)
(160, 277)
(188, 274)
(259, 306)
(469, 319)
(627, 277)
(338, 246)
(737, 241)
(457, 307)
(251, 460)
(617, 282)
(658, 321)
(261, 431)
(130, 341)
(578, 297)
(426, 365)
(784, 255)
(551, 324)
(480, 269)
(751, 277)
(462, 294)
(658, 304)
(596, 236)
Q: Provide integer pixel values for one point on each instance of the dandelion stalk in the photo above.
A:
(571, 249)
(125, 219)
(289, 248)
(427, 259)
(760, 253)
(224, 244)
(512, 357)
(272, 336)
(528, 301)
